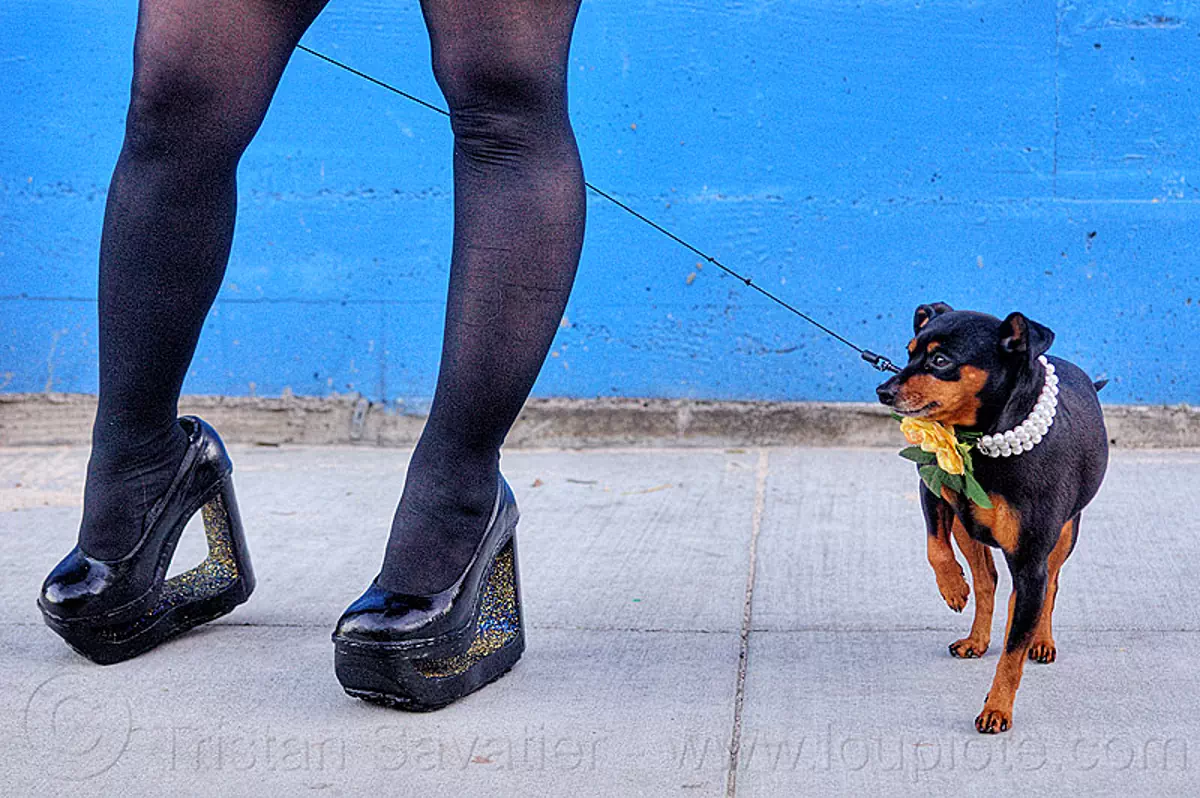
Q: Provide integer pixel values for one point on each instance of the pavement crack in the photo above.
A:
(735, 738)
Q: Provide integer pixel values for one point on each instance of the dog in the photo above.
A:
(978, 374)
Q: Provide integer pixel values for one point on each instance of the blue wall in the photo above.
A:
(857, 157)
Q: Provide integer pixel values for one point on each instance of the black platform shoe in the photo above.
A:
(111, 610)
(424, 652)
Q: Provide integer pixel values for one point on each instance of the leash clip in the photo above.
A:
(880, 362)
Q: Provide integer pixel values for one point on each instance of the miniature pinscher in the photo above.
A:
(1041, 459)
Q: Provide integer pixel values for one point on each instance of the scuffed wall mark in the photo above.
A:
(61, 189)
(1026, 156)
(1149, 21)
(347, 195)
(57, 334)
(706, 195)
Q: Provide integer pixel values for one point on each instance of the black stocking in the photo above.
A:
(518, 228)
(204, 73)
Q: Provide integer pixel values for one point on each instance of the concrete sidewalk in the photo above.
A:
(648, 575)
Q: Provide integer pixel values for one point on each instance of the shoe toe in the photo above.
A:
(380, 615)
(74, 584)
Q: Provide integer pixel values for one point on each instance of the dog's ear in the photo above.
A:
(926, 312)
(1024, 337)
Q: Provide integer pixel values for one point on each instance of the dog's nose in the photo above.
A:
(887, 392)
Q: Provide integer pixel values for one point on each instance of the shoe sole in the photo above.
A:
(399, 680)
(214, 588)
(362, 678)
(109, 645)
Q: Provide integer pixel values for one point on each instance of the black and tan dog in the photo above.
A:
(979, 374)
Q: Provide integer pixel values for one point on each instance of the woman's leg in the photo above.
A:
(518, 228)
(204, 73)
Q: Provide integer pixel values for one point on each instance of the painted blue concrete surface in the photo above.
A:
(857, 157)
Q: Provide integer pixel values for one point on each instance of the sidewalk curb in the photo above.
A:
(55, 418)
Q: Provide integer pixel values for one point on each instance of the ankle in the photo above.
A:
(432, 493)
(126, 474)
(124, 446)
(442, 515)
(443, 476)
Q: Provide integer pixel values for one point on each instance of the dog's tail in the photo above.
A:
(1099, 385)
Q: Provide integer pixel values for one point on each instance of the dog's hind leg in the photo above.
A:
(1042, 649)
(983, 575)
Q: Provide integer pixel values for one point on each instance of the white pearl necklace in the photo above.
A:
(1028, 433)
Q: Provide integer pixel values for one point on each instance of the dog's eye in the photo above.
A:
(939, 361)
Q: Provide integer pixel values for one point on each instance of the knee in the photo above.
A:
(502, 103)
(177, 111)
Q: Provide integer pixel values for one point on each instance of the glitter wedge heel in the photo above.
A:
(112, 610)
(421, 653)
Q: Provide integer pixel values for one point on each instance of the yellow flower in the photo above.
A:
(933, 437)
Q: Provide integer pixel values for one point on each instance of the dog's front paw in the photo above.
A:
(1043, 651)
(969, 648)
(954, 589)
(993, 720)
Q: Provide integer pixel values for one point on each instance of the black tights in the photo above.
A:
(204, 74)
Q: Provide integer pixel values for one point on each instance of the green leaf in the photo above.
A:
(897, 417)
(918, 455)
(976, 493)
(932, 475)
(953, 481)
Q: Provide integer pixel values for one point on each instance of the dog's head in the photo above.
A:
(962, 364)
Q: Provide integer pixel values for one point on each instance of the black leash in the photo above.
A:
(878, 361)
